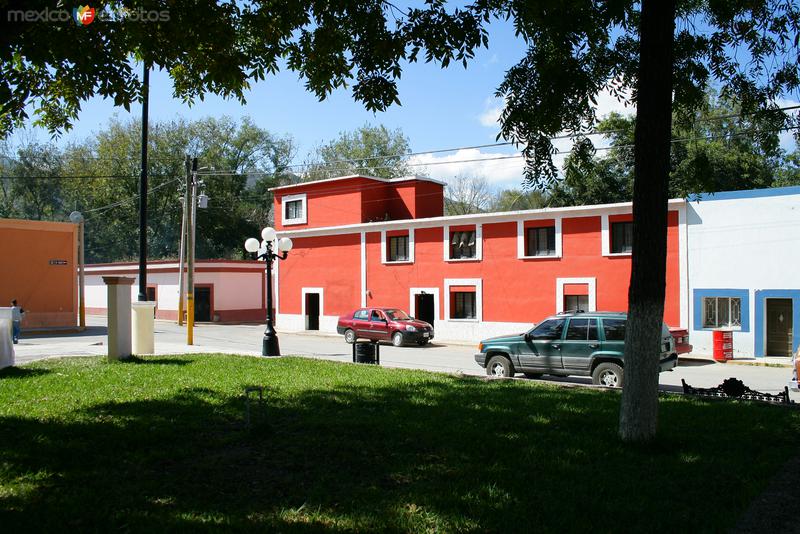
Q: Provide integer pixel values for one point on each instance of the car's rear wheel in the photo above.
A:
(607, 374)
(397, 339)
(533, 375)
(349, 336)
(499, 366)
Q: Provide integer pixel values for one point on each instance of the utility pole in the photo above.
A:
(81, 276)
(77, 218)
(192, 205)
(184, 228)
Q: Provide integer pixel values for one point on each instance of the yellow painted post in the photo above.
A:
(189, 319)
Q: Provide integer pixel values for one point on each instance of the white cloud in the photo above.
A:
(500, 173)
(492, 108)
(786, 137)
(501, 169)
(607, 103)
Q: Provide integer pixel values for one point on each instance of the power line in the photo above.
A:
(107, 207)
(77, 177)
(517, 156)
(327, 165)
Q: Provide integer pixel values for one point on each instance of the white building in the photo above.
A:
(225, 290)
(744, 270)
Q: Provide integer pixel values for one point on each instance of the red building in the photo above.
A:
(364, 241)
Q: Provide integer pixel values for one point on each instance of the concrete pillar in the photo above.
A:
(6, 342)
(119, 316)
(143, 313)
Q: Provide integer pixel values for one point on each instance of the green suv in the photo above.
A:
(573, 343)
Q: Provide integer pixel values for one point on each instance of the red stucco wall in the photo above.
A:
(514, 290)
(330, 262)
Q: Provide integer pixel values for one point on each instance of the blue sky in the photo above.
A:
(441, 108)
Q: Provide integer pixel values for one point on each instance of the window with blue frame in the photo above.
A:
(722, 312)
(722, 308)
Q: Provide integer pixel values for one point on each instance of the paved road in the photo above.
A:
(451, 358)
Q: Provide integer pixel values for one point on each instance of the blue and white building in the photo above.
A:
(744, 270)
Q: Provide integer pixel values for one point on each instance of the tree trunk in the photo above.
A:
(639, 411)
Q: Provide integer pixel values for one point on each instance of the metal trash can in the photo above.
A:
(366, 352)
(723, 345)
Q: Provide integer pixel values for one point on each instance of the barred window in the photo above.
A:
(720, 312)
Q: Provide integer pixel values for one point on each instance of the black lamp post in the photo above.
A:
(266, 250)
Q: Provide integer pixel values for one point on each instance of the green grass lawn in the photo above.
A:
(160, 444)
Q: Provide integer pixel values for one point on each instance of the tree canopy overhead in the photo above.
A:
(220, 47)
(578, 48)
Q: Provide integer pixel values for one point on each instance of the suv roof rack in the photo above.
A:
(566, 312)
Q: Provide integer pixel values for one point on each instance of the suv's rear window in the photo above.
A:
(361, 314)
(582, 330)
(614, 329)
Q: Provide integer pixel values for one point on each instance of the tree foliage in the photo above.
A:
(467, 194)
(371, 150)
(99, 176)
(718, 148)
(54, 66)
(516, 199)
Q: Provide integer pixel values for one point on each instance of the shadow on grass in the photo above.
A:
(155, 360)
(442, 455)
(21, 372)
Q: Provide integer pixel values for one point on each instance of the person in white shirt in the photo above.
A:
(17, 313)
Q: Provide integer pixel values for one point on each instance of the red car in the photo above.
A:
(681, 336)
(384, 324)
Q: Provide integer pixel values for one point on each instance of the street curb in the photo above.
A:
(753, 362)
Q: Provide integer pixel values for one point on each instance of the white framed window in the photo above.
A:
(463, 244)
(397, 248)
(616, 236)
(463, 299)
(464, 306)
(539, 242)
(590, 303)
(722, 312)
(621, 237)
(294, 209)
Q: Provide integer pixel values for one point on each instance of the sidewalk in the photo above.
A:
(760, 362)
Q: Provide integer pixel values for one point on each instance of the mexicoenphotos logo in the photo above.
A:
(84, 15)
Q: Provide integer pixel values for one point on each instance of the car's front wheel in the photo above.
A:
(499, 366)
(349, 336)
(607, 374)
(397, 339)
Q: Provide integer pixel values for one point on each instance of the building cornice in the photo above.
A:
(473, 218)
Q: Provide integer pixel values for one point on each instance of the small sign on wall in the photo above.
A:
(58, 262)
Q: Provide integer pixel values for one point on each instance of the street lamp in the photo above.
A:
(266, 251)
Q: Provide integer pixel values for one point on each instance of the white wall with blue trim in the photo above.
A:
(743, 246)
